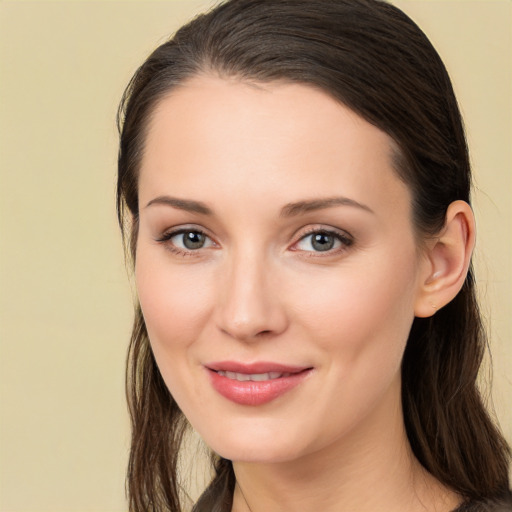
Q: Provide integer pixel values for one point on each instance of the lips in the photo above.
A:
(254, 384)
(255, 377)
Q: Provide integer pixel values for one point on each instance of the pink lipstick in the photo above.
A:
(256, 383)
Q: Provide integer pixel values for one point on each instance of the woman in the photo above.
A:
(294, 187)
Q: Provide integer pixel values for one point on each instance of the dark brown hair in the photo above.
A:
(371, 57)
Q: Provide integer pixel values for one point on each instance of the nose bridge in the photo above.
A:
(250, 304)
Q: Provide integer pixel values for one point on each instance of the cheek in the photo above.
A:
(359, 320)
(176, 305)
(362, 312)
(174, 300)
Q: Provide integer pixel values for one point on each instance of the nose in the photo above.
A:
(249, 306)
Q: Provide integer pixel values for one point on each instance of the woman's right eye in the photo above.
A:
(186, 240)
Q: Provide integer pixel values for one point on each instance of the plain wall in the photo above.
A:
(65, 298)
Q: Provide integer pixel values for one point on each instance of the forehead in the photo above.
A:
(213, 137)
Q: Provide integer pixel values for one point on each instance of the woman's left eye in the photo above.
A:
(322, 241)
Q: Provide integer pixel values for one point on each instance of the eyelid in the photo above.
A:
(168, 234)
(343, 236)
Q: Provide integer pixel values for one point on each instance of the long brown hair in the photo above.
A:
(371, 57)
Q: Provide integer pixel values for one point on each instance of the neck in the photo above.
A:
(371, 469)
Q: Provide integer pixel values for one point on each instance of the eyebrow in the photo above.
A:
(300, 207)
(182, 204)
(289, 210)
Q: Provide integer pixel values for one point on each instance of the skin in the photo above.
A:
(259, 291)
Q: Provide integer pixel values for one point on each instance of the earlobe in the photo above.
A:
(447, 260)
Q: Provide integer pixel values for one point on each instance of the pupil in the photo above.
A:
(322, 242)
(193, 240)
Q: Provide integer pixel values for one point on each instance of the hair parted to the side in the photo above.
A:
(374, 59)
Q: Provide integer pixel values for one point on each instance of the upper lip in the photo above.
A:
(254, 368)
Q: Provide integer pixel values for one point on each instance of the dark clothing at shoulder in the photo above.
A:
(209, 502)
(499, 505)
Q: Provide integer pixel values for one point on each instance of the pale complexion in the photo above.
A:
(248, 172)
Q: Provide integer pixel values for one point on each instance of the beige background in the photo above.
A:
(65, 300)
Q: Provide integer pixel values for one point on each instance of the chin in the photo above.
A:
(254, 447)
(262, 454)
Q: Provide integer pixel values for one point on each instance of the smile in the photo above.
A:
(255, 384)
(255, 377)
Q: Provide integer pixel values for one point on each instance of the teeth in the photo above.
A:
(256, 377)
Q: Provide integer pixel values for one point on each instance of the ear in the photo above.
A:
(447, 259)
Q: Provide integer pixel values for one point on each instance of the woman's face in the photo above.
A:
(276, 267)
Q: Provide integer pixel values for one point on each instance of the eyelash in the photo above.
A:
(344, 239)
(166, 237)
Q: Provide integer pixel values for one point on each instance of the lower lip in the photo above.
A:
(255, 392)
